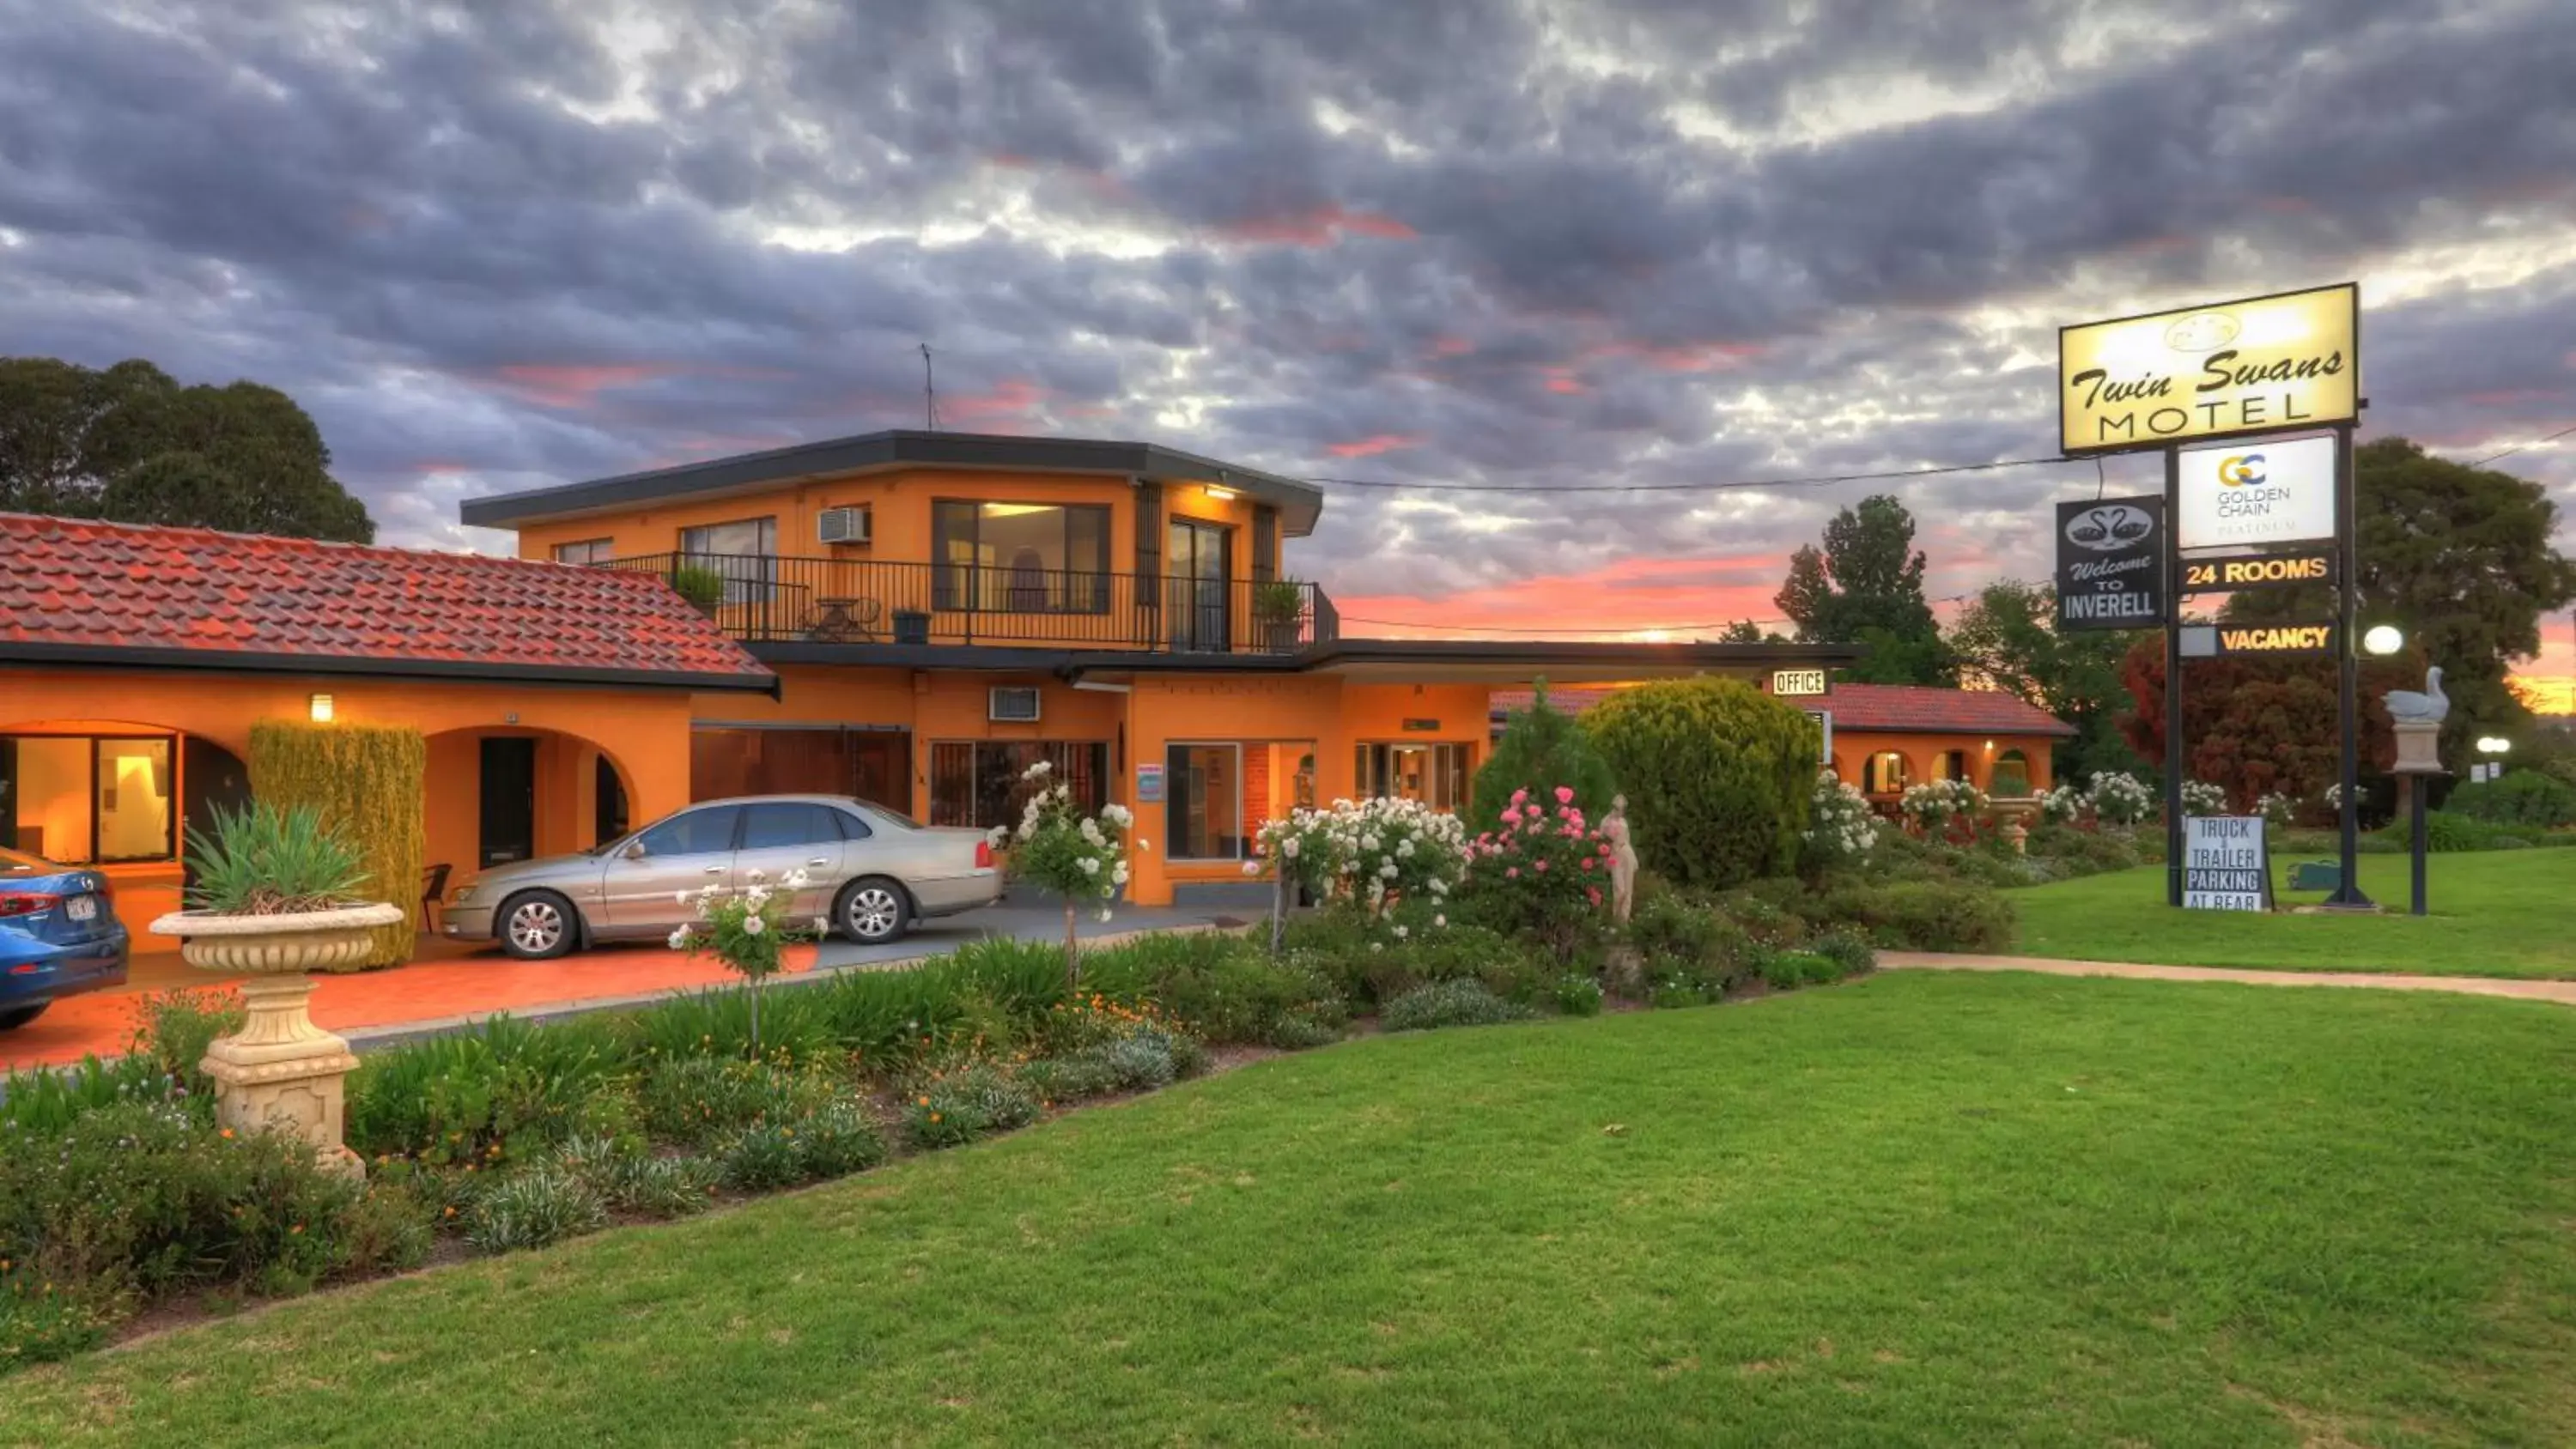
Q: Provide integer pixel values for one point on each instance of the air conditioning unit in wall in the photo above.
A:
(842, 525)
(1013, 704)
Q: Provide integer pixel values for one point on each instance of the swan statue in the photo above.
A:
(2406, 706)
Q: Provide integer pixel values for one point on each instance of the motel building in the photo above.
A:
(914, 618)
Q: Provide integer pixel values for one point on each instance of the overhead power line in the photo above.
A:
(1812, 481)
(2522, 447)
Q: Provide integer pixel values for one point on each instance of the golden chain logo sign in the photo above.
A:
(2291, 360)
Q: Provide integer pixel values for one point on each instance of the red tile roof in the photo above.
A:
(1873, 708)
(76, 588)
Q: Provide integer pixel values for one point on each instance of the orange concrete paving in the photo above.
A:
(425, 991)
(2562, 992)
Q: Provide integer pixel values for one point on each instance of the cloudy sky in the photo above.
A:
(1566, 243)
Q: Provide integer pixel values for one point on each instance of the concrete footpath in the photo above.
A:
(2562, 992)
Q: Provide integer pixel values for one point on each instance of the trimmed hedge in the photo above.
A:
(1717, 775)
(2532, 798)
(370, 783)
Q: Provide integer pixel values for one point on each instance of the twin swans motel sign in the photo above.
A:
(2253, 405)
(2290, 360)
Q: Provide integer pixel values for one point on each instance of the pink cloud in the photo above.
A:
(1451, 346)
(1374, 444)
(1009, 404)
(1688, 357)
(576, 385)
(1626, 597)
(1321, 227)
(1563, 380)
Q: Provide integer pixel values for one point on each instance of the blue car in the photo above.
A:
(59, 936)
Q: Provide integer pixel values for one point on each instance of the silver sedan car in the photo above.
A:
(872, 873)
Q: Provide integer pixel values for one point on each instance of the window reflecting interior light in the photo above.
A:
(2383, 639)
(321, 708)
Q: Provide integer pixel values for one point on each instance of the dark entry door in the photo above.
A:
(509, 800)
(211, 779)
(1195, 554)
(608, 803)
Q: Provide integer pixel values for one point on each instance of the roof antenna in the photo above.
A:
(929, 393)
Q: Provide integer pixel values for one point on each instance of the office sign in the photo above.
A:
(1797, 681)
(2261, 571)
(2256, 493)
(2110, 564)
(2226, 866)
(2291, 360)
(2206, 641)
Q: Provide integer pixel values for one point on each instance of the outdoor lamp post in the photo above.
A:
(2382, 640)
(2494, 747)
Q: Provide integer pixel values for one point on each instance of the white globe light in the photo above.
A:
(2383, 639)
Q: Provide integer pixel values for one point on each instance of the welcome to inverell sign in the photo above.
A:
(2111, 564)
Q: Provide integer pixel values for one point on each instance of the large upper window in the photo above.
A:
(587, 551)
(1025, 558)
(87, 799)
(745, 551)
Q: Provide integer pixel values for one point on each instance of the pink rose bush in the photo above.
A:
(1540, 867)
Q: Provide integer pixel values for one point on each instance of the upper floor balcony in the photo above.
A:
(768, 598)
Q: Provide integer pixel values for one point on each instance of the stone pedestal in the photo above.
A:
(2418, 747)
(282, 1073)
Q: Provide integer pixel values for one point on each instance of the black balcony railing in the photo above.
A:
(858, 601)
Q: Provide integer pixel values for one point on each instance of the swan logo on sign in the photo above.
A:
(2233, 497)
(2110, 528)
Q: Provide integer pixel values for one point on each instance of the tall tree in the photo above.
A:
(129, 443)
(2007, 637)
(1745, 631)
(2261, 726)
(1865, 586)
(2459, 558)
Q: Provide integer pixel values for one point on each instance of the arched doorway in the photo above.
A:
(505, 793)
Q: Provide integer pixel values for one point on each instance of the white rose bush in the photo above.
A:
(1935, 805)
(1841, 828)
(1372, 851)
(1057, 847)
(2063, 805)
(2121, 799)
(2200, 797)
(748, 929)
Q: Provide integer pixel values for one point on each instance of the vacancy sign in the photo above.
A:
(2258, 493)
(2225, 866)
(2258, 364)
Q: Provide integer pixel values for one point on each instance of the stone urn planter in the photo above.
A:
(280, 1072)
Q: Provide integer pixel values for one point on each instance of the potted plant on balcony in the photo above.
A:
(1277, 607)
(277, 895)
(700, 585)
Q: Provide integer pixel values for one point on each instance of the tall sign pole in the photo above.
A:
(2173, 689)
(2347, 893)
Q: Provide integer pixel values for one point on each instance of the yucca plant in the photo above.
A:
(263, 861)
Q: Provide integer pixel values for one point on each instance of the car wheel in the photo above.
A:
(18, 1016)
(874, 911)
(538, 926)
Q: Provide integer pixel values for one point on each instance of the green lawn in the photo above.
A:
(2494, 913)
(1924, 1209)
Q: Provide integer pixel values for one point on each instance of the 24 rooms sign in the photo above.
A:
(2229, 368)
(2110, 564)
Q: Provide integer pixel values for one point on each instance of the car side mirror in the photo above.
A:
(634, 850)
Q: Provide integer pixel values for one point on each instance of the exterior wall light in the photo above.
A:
(320, 708)
(1219, 493)
(2383, 640)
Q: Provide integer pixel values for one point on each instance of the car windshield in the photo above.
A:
(18, 862)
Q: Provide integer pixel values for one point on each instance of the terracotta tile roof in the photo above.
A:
(1868, 708)
(77, 587)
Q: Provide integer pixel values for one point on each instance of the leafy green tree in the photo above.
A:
(1745, 631)
(2460, 558)
(1542, 747)
(1865, 586)
(2007, 637)
(130, 444)
(1719, 776)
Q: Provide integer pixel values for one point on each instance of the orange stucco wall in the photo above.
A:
(899, 504)
(1852, 749)
(643, 733)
